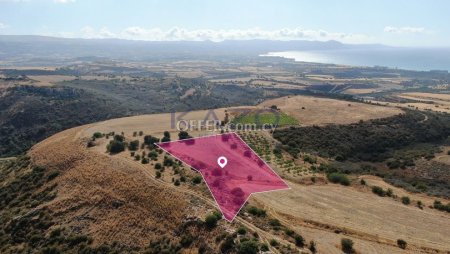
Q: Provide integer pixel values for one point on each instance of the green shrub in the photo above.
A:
(242, 231)
(401, 243)
(312, 246)
(299, 241)
(347, 245)
(273, 242)
(248, 247)
(116, 146)
(310, 159)
(264, 247)
(97, 135)
(419, 204)
(211, 221)
(438, 205)
(275, 223)
(119, 138)
(256, 211)
(150, 140)
(406, 200)
(158, 166)
(134, 145)
(227, 245)
(338, 178)
(378, 190)
(196, 179)
(183, 135)
(144, 160)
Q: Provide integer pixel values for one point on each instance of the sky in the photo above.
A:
(411, 23)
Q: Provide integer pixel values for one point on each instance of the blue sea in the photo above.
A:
(419, 59)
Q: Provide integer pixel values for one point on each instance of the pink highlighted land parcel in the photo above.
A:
(231, 184)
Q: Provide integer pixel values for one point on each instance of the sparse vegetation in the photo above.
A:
(379, 191)
(406, 200)
(115, 146)
(438, 205)
(338, 178)
(401, 243)
(347, 245)
(133, 145)
(256, 211)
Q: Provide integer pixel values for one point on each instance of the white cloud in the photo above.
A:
(176, 34)
(404, 30)
(3, 26)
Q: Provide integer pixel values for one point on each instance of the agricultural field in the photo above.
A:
(271, 117)
(312, 110)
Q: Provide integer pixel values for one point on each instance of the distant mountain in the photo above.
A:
(28, 48)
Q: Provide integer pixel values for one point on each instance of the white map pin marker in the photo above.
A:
(222, 161)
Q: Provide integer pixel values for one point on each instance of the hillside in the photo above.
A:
(101, 203)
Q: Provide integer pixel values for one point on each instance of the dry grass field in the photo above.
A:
(422, 101)
(311, 110)
(374, 222)
(49, 80)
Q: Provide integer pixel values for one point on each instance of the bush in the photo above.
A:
(275, 223)
(406, 200)
(378, 190)
(119, 138)
(363, 182)
(338, 178)
(177, 182)
(150, 140)
(116, 146)
(168, 161)
(264, 247)
(227, 244)
(401, 243)
(242, 231)
(347, 245)
(134, 145)
(310, 159)
(312, 246)
(196, 179)
(211, 221)
(158, 166)
(97, 135)
(389, 192)
(158, 174)
(273, 242)
(299, 241)
(256, 211)
(438, 205)
(144, 160)
(248, 247)
(183, 135)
